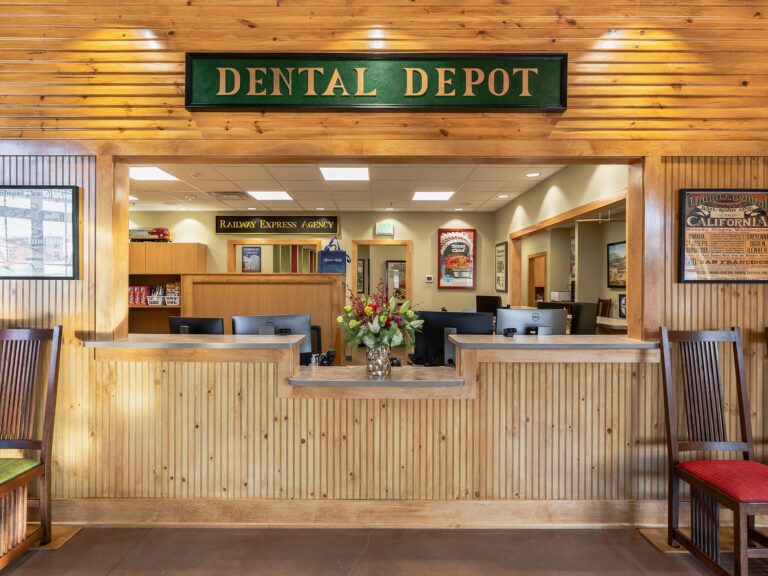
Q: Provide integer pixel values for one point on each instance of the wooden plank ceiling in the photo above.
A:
(667, 71)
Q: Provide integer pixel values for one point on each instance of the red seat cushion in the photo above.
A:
(743, 480)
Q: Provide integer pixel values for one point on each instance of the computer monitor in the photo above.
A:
(584, 318)
(278, 324)
(550, 305)
(433, 348)
(526, 321)
(196, 325)
(487, 304)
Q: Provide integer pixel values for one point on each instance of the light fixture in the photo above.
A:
(251, 208)
(132, 198)
(319, 209)
(432, 196)
(261, 195)
(533, 174)
(389, 209)
(345, 174)
(503, 196)
(149, 173)
(458, 209)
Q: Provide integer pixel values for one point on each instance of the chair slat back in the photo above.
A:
(20, 364)
(691, 365)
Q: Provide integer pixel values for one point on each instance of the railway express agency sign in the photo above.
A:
(426, 82)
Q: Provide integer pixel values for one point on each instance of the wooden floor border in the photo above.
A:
(360, 513)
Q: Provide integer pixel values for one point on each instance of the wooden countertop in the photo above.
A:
(575, 342)
(426, 376)
(199, 341)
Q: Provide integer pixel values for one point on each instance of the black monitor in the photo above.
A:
(487, 304)
(550, 305)
(196, 325)
(530, 321)
(432, 345)
(584, 318)
(277, 324)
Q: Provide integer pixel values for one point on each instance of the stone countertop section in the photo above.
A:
(199, 341)
(576, 342)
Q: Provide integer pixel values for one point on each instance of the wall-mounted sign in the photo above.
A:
(384, 228)
(723, 235)
(251, 259)
(395, 81)
(39, 232)
(456, 258)
(262, 225)
(501, 267)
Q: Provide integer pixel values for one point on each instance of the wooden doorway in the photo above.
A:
(407, 244)
(537, 277)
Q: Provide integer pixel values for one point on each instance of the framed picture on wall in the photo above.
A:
(617, 265)
(501, 267)
(723, 235)
(39, 232)
(396, 279)
(360, 275)
(622, 305)
(456, 258)
(251, 259)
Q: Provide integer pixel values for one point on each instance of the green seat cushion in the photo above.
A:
(12, 467)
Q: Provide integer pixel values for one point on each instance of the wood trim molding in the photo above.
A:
(360, 513)
(570, 214)
(234, 243)
(408, 244)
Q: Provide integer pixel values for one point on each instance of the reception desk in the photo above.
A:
(550, 431)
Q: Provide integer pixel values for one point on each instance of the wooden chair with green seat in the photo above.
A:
(21, 369)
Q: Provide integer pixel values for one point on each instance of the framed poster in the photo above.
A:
(360, 275)
(396, 279)
(622, 305)
(723, 235)
(617, 265)
(39, 232)
(251, 259)
(501, 267)
(456, 258)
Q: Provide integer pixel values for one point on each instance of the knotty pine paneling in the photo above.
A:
(90, 70)
(71, 303)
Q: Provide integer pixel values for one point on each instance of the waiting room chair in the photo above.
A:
(20, 412)
(693, 392)
(604, 306)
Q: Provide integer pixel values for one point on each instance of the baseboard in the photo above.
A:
(360, 513)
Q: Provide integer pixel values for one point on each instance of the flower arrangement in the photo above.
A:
(379, 321)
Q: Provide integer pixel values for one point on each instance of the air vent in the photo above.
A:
(228, 196)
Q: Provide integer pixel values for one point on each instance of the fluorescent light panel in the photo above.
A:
(345, 174)
(261, 195)
(533, 174)
(432, 196)
(149, 173)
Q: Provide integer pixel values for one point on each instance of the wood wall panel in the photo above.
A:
(636, 70)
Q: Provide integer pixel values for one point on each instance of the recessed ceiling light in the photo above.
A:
(458, 209)
(319, 209)
(432, 196)
(389, 209)
(149, 173)
(251, 208)
(533, 174)
(503, 196)
(261, 195)
(349, 173)
(132, 198)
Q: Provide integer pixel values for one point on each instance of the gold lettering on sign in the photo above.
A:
(223, 81)
(526, 74)
(311, 79)
(409, 91)
(361, 83)
(277, 76)
(443, 81)
(254, 82)
(473, 77)
(334, 84)
(492, 80)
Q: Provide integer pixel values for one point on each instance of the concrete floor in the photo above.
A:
(211, 551)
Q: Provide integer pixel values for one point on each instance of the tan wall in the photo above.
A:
(420, 227)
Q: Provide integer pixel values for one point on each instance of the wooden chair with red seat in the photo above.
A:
(739, 485)
(21, 360)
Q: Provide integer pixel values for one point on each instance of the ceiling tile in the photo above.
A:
(498, 171)
(246, 185)
(213, 185)
(243, 171)
(295, 172)
(395, 172)
(446, 171)
(192, 172)
(395, 186)
(488, 186)
(302, 185)
(359, 187)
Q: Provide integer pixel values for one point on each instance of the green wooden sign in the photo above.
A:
(376, 81)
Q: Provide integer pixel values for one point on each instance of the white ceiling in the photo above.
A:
(477, 187)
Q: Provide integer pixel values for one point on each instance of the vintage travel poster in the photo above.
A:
(501, 267)
(723, 236)
(456, 258)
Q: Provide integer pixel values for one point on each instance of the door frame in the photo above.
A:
(532, 257)
(408, 244)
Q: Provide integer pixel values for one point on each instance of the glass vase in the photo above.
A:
(378, 366)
